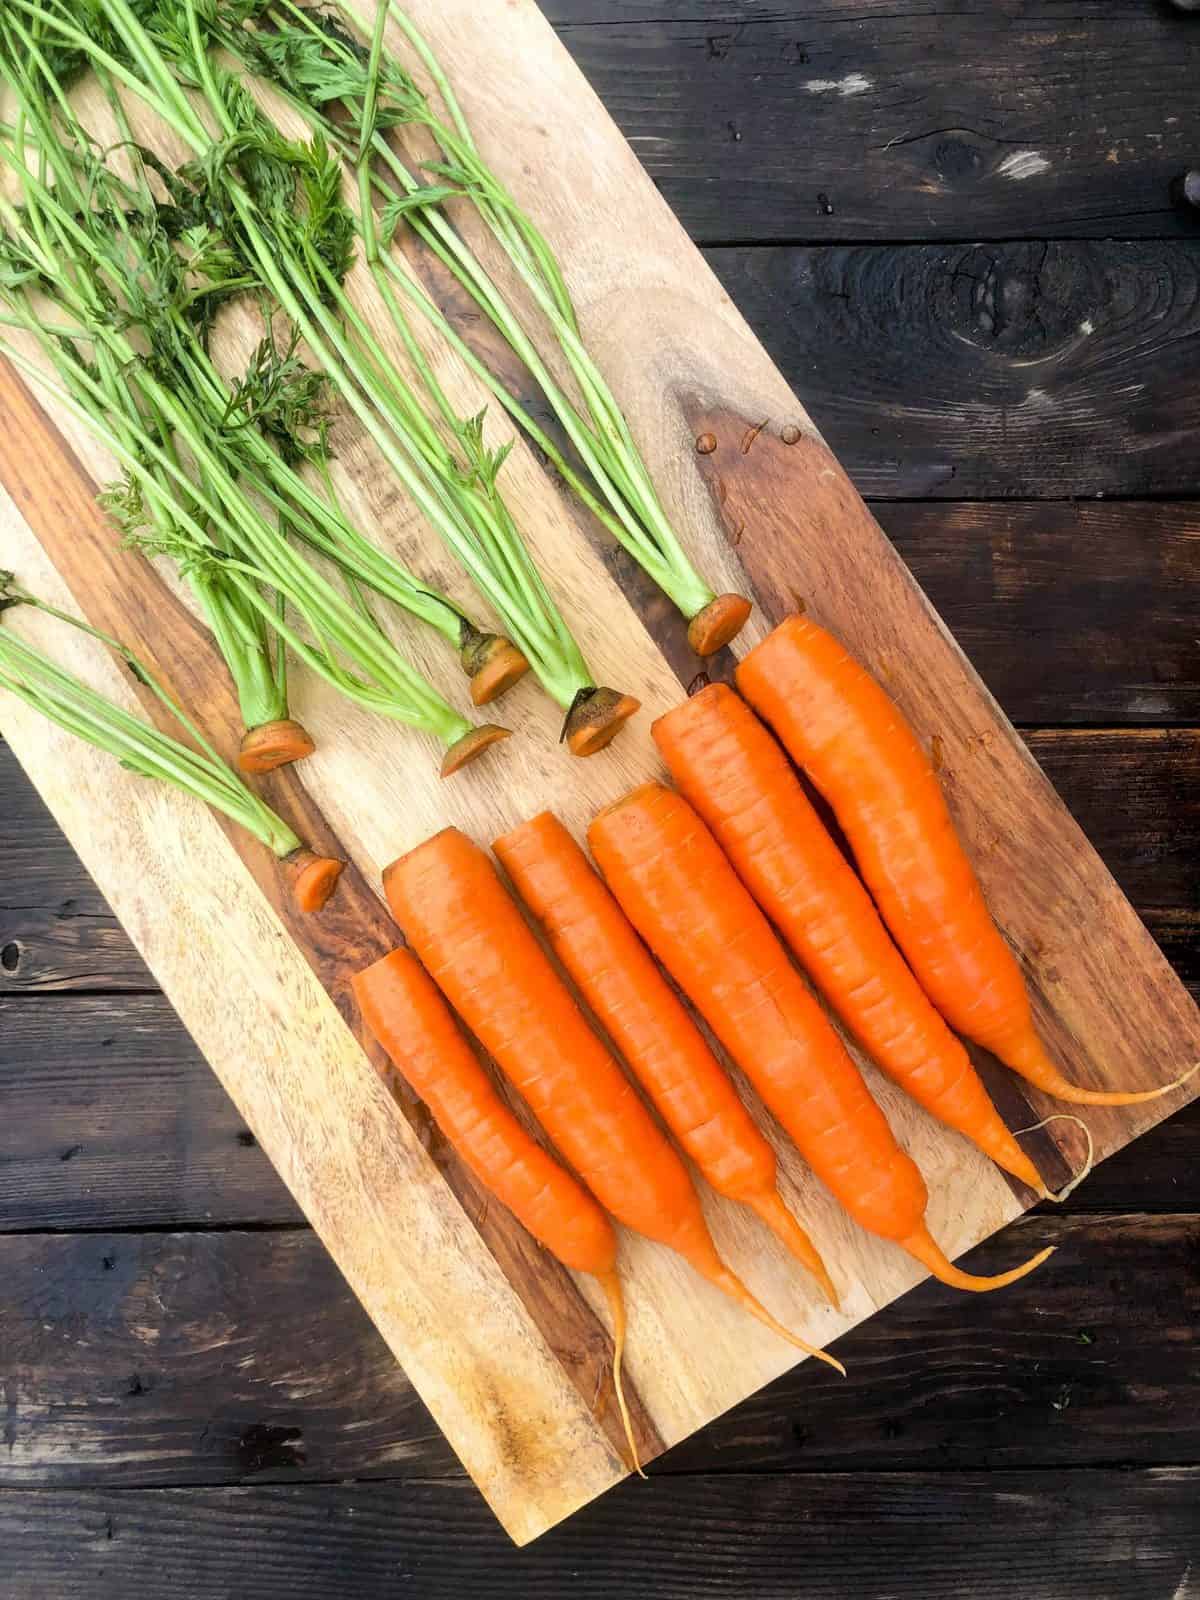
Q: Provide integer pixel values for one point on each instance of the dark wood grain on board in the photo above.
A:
(1104, 1535)
(130, 601)
(1040, 370)
(865, 119)
(175, 1358)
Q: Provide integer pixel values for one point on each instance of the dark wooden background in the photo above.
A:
(952, 222)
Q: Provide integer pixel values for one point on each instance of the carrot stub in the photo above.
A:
(401, 1005)
(274, 744)
(685, 899)
(731, 770)
(479, 950)
(720, 621)
(862, 755)
(314, 878)
(594, 941)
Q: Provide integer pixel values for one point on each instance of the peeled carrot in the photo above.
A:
(861, 754)
(686, 901)
(732, 771)
(401, 1005)
(592, 938)
(480, 952)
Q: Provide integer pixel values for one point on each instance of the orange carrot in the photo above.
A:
(687, 902)
(851, 739)
(274, 744)
(403, 1009)
(314, 878)
(479, 950)
(735, 775)
(591, 936)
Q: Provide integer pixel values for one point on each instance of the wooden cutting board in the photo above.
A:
(508, 1350)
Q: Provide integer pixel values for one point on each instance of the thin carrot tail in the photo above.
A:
(770, 1207)
(1029, 1058)
(1089, 1161)
(729, 1283)
(922, 1245)
(611, 1284)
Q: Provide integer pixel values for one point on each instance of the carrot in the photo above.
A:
(735, 775)
(687, 902)
(861, 754)
(274, 744)
(493, 664)
(471, 745)
(401, 1005)
(314, 878)
(592, 938)
(479, 950)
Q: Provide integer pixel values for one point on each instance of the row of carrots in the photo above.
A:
(712, 879)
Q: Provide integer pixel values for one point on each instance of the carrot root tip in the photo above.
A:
(616, 1306)
(929, 1253)
(471, 745)
(596, 718)
(314, 878)
(721, 620)
(493, 664)
(274, 744)
(1089, 1161)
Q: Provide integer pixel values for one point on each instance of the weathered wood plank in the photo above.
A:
(1072, 611)
(110, 1117)
(1039, 370)
(163, 1359)
(1105, 1535)
(831, 120)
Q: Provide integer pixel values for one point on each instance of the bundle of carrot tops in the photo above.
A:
(118, 260)
(115, 266)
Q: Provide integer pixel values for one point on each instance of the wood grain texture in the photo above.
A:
(830, 120)
(680, 359)
(1104, 1535)
(160, 1359)
(1072, 611)
(989, 370)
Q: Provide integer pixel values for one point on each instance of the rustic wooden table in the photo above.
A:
(193, 1405)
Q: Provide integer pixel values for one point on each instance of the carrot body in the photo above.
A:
(685, 899)
(479, 950)
(851, 739)
(403, 1009)
(592, 937)
(732, 771)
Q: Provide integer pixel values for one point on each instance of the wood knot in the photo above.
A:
(790, 434)
(706, 444)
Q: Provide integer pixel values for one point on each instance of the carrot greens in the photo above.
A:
(352, 95)
(278, 204)
(197, 769)
(116, 289)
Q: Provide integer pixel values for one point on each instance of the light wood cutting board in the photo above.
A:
(507, 1349)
